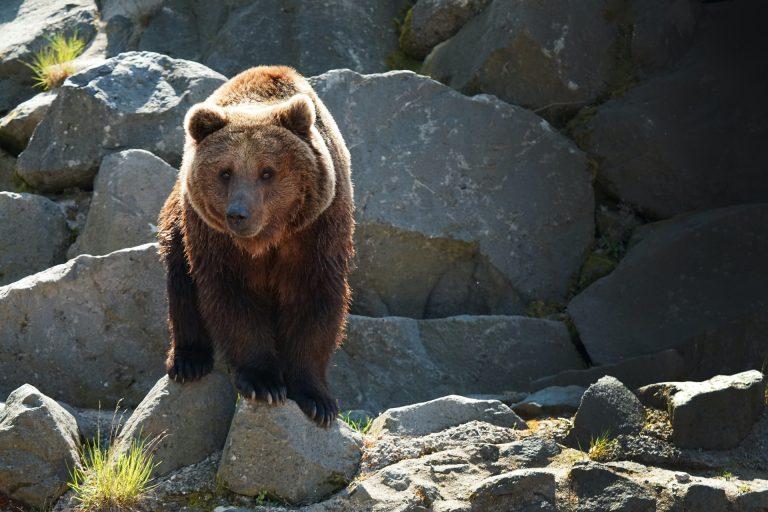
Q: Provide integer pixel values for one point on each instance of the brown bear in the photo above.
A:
(256, 237)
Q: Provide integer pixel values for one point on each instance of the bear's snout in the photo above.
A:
(237, 215)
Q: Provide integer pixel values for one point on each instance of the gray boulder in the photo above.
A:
(655, 146)
(7, 170)
(704, 496)
(181, 423)
(607, 407)
(17, 126)
(534, 54)
(688, 292)
(464, 205)
(441, 413)
(662, 31)
(598, 488)
(89, 331)
(550, 400)
(128, 192)
(38, 447)
(230, 37)
(715, 414)
(135, 100)
(529, 451)
(523, 490)
(458, 355)
(34, 233)
(278, 450)
(26, 25)
(633, 372)
(430, 22)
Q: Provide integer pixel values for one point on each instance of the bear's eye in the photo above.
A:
(267, 173)
(225, 175)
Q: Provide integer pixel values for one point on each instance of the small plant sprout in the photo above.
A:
(726, 474)
(52, 64)
(107, 480)
(603, 447)
(357, 425)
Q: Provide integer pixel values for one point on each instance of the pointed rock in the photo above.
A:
(182, 423)
(38, 447)
(278, 450)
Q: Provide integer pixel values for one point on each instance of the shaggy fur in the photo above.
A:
(257, 240)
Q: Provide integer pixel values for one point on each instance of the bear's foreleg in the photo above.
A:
(191, 353)
(242, 325)
(310, 326)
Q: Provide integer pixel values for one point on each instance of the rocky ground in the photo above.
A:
(560, 192)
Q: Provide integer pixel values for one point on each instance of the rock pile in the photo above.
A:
(548, 228)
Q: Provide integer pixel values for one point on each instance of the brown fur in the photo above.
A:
(257, 263)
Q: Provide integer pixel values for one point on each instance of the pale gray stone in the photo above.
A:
(38, 447)
(16, 126)
(88, 331)
(441, 413)
(135, 100)
(34, 234)
(181, 423)
(279, 450)
(464, 205)
(129, 192)
(715, 414)
(551, 400)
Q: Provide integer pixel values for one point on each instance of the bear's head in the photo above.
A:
(257, 172)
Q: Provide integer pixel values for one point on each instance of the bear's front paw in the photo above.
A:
(316, 403)
(259, 384)
(186, 365)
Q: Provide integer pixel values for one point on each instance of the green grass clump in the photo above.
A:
(602, 447)
(111, 481)
(358, 426)
(52, 64)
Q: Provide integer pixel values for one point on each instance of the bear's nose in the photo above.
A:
(236, 213)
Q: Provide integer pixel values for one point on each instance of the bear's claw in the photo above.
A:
(318, 406)
(189, 367)
(265, 386)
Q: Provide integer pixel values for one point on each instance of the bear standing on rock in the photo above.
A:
(256, 237)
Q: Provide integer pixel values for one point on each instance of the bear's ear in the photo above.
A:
(297, 114)
(202, 120)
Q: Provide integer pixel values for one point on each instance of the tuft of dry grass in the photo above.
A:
(602, 448)
(52, 64)
(107, 480)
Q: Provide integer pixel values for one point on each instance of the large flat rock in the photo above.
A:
(464, 205)
(312, 36)
(460, 355)
(697, 283)
(88, 331)
(534, 54)
(691, 139)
